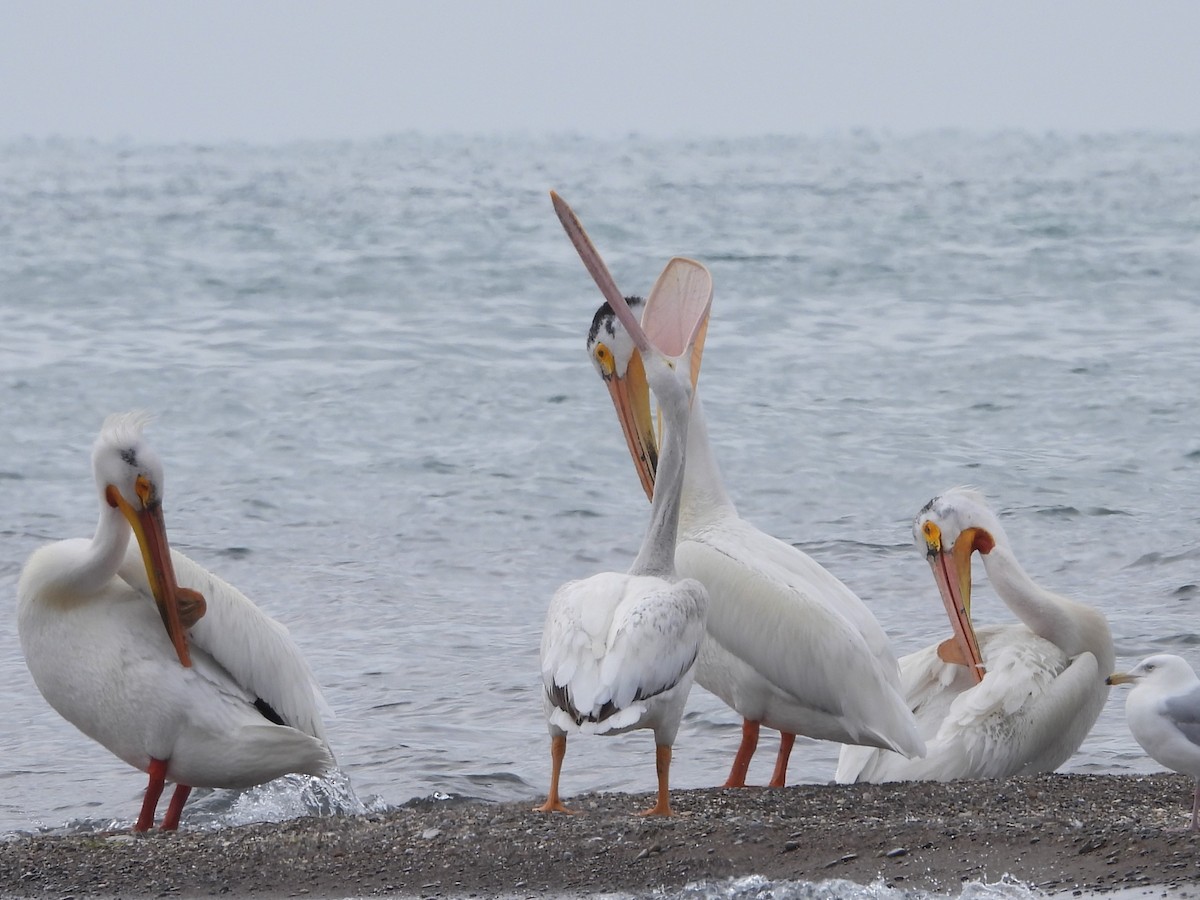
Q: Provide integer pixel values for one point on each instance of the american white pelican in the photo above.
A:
(619, 650)
(1003, 699)
(1163, 712)
(788, 645)
(219, 698)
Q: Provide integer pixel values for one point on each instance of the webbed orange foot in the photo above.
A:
(553, 805)
(662, 808)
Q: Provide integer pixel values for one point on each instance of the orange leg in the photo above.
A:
(662, 765)
(558, 749)
(779, 777)
(171, 819)
(158, 777)
(741, 762)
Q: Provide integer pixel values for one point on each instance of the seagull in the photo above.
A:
(1163, 712)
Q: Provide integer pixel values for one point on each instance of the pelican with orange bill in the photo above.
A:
(220, 698)
(997, 700)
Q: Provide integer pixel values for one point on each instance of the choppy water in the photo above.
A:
(379, 421)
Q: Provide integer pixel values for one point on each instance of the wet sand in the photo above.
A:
(1057, 832)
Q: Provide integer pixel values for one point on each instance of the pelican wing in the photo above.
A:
(930, 686)
(795, 569)
(256, 651)
(1026, 715)
(615, 639)
(776, 615)
(655, 640)
(1035, 721)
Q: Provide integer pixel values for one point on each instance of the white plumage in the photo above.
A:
(255, 651)
(1163, 713)
(788, 645)
(1043, 686)
(617, 653)
(193, 708)
(619, 649)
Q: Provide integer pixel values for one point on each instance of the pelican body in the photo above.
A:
(1004, 699)
(1163, 713)
(619, 649)
(219, 697)
(788, 645)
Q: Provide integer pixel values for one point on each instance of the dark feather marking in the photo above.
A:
(268, 711)
(560, 697)
(129, 455)
(605, 317)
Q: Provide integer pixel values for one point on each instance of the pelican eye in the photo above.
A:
(932, 534)
(604, 359)
(145, 490)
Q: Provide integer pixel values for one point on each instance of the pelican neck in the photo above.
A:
(704, 496)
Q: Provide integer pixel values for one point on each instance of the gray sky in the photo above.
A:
(268, 70)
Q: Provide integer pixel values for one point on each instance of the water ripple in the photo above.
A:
(379, 421)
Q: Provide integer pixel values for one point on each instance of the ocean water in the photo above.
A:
(379, 421)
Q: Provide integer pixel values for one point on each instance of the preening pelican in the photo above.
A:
(219, 698)
(1003, 699)
(1163, 712)
(788, 645)
(619, 650)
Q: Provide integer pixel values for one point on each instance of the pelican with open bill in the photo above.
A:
(619, 648)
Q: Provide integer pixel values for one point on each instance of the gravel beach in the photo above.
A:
(1057, 832)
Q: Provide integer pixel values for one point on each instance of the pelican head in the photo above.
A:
(674, 323)
(609, 344)
(125, 463)
(129, 476)
(620, 365)
(948, 530)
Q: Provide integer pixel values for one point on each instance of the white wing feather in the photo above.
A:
(795, 568)
(256, 651)
(831, 657)
(613, 639)
(1028, 715)
(654, 641)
